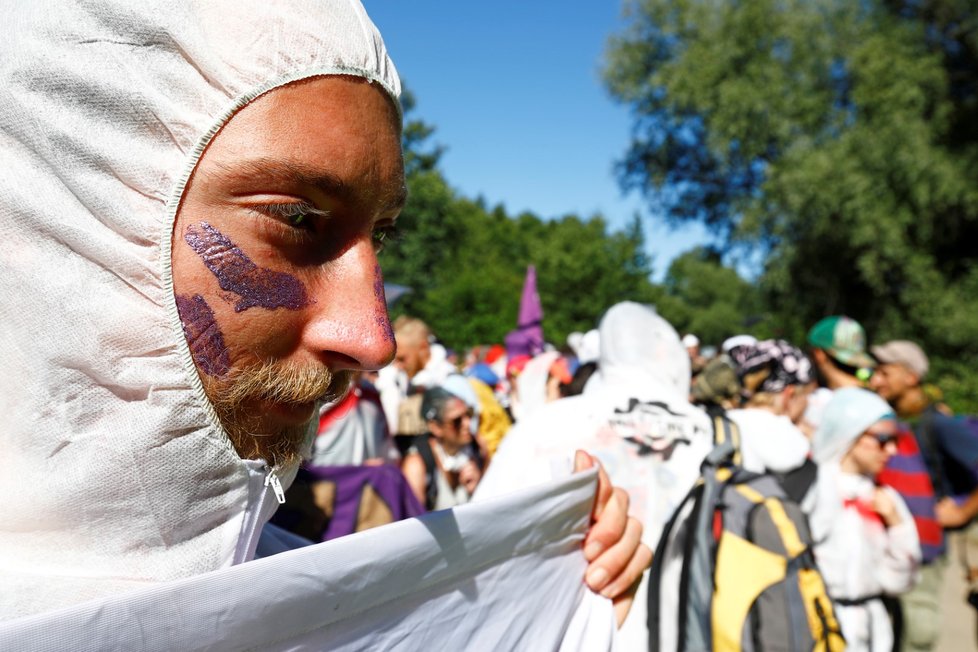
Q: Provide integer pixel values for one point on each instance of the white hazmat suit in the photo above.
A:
(634, 416)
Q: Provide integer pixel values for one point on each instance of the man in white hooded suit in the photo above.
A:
(191, 196)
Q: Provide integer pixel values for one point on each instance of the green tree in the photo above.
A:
(838, 138)
(704, 297)
(583, 268)
(465, 263)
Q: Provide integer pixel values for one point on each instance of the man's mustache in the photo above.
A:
(284, 382)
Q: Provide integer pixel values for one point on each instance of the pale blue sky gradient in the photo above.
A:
(514, 92)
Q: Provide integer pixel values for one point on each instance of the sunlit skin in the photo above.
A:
(301, 181)
(796, 402)
(900, 387)
(452, 438)
(412, 354)
(451, 431)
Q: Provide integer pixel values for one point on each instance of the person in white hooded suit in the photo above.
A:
(191, 195)
(634, 416)
(866, 543)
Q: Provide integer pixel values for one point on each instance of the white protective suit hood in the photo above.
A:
(850, 412)
(638, 347)
(635, 418)
(118, 472)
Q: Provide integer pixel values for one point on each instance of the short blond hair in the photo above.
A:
(411, 329)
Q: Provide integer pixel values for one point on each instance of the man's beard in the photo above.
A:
(236, 398)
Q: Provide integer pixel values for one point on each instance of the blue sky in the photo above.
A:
(514, 92)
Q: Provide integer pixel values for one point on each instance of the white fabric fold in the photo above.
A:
(443, 581)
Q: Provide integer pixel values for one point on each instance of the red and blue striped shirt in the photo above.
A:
(907, 473)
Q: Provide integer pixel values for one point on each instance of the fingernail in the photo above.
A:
(592, 550)
(596, 578)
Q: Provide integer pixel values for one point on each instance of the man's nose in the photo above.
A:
(349, 327)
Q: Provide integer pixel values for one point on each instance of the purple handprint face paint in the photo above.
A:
(237, 273)
(203, 335)
(381, 317)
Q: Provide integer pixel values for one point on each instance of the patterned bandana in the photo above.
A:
(784, 363)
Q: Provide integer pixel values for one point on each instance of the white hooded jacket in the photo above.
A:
(118, 471)
(634, 416)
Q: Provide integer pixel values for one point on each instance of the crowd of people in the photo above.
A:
(192, 204)
(854, 434)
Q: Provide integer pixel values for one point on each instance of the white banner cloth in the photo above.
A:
(505, 574)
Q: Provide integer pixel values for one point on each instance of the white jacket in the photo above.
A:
(769, 442)
(636, 403)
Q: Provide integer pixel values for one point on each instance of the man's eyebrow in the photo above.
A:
(278, 171)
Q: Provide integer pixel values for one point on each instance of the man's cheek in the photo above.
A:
(238, 274)
(203, 335)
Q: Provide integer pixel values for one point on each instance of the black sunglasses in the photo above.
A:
(883, 440)
(457, 421)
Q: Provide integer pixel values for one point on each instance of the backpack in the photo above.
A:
(737, 553)
(942, 468)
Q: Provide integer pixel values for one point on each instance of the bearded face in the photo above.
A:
(275, 271)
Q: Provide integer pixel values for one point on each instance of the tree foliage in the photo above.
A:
(465, 262)
(702, 296)
(838, 138)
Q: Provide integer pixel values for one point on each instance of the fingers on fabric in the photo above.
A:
(614, 570)
(884, 506)
(584, 461)
(609, 544)
(626, 584)
(623, 600)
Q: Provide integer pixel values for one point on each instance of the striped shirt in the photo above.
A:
(907, 473)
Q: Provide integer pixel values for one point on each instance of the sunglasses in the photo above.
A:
(883, 440)
(457, 421)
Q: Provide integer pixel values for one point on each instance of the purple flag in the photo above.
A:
(527, 339)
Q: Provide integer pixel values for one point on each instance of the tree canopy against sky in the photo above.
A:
(838, 138)
(465, 262)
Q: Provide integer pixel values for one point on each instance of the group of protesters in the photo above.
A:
(854, 434)
(192, 201)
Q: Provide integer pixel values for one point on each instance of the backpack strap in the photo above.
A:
(726, 432)
(423, 446)
(926, 433)
(798, 481)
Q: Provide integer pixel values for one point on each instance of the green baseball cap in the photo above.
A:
(842, 338)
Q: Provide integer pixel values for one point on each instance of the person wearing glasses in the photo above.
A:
(440, 465)
(866, 543)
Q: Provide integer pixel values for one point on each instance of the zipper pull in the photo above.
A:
(272, 479)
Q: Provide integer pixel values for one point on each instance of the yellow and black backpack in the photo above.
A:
(734, 569)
